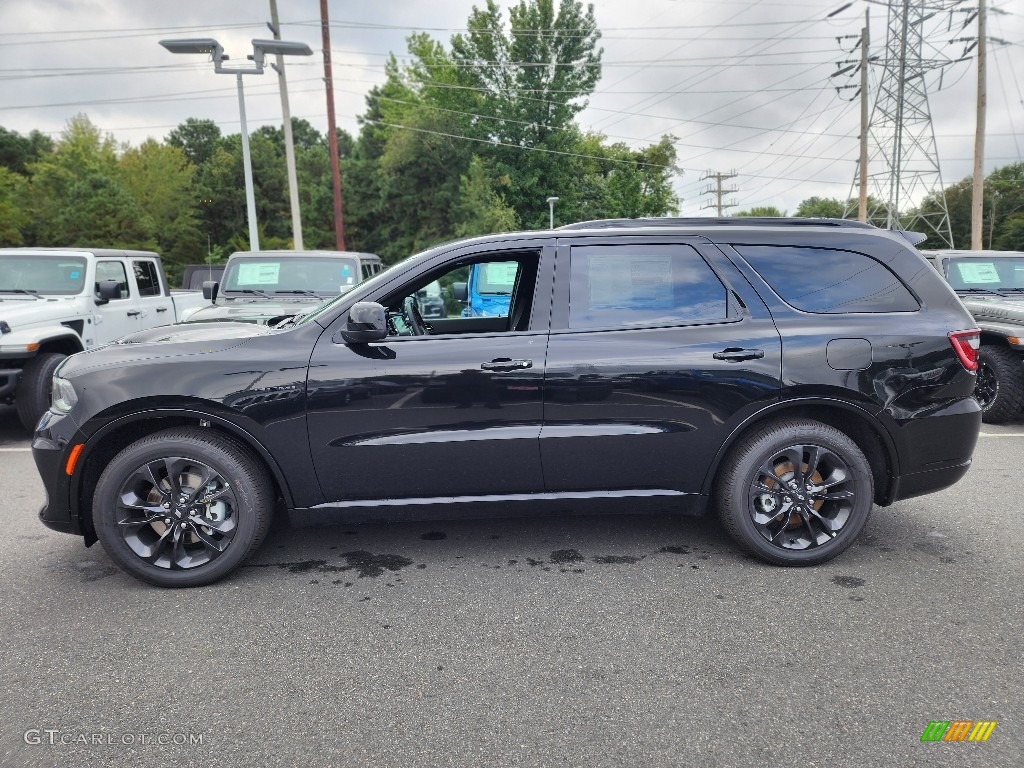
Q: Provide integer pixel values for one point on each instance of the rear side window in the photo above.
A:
(146, 278)
(827, 281)
(642, 285)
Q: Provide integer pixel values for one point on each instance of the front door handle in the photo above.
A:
(736, 355)
(133, 313)
(506, 364)
(161, 309)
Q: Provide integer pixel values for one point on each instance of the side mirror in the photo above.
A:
(108, 289)
(210, 289)
(367, 321)
(460, 291)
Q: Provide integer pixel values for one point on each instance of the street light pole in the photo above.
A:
(551, 203)
(260, 50)
(250, 194)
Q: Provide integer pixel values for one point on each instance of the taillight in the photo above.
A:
(966, 345)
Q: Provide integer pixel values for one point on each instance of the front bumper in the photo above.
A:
(55, 435)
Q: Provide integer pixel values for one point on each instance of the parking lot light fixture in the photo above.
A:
(551, 203)
(261, 48)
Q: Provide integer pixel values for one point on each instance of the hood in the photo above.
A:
(179, 340)
(186, 333)
(996, 308)
(22, 312)
(260, 312)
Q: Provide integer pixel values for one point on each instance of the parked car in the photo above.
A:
(194, 275)
(801, 371)
(58, 301)
(991, 286)
(268, 287)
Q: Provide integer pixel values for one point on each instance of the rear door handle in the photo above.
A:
(506, 364)
(736, 355)
(161, 309)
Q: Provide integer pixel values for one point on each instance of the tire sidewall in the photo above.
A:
(32, 398)
(769, 445)
(222, 459)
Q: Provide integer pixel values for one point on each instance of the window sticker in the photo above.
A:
(978, 272)
(261, 273)
(501, 273)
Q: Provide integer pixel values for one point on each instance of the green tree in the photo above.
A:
(13, 217)
(17, 152)
(197, 139)
(78, 197)
(161, 180)
(769, 211)
(822, 207)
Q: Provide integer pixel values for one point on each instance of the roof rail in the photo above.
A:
(735, 221)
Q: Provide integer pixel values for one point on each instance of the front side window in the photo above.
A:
(42, 274)
(636, 286)
(113, 270)
(827, 281)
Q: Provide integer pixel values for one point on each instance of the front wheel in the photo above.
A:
(183, 507)
(795, 492)
(32, 398)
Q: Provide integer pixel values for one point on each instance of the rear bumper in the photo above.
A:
(936, 449)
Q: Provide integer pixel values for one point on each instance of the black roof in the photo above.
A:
(736, 221)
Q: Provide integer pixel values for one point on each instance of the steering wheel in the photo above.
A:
(411, 311)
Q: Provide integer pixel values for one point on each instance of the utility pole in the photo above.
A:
(865, 44)
(332, 131)
(718, 190)
(289, 144)
(978, 187)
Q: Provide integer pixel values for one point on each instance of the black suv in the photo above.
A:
(788, 373)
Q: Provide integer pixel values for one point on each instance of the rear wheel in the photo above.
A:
(1000, 385)
(32, 398)
(183, 507)
(795, 492)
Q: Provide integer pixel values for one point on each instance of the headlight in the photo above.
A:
(63, 397)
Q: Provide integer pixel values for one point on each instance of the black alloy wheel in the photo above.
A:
(183, 507)
(795, 492)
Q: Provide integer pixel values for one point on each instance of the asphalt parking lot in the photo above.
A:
(576, 641)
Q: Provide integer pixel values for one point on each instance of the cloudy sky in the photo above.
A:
(745, 86)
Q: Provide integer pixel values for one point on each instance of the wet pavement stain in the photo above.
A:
(562, 556)
(675, 549)
(616, 559)
(434, 536)
(88, 570)
(850, 582)
(364, 563)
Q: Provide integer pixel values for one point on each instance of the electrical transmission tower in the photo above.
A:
(718, 190)
(904, 179)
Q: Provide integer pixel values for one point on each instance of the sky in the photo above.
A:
(744, 86)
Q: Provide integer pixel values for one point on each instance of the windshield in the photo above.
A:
(379, 279)
(496, 277)
(43, 274)
(995, 273)
(292, 275)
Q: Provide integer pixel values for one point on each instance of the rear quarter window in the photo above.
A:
(829, 281)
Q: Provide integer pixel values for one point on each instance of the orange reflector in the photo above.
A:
(69, 468)
(1013, 339)
(32, 347)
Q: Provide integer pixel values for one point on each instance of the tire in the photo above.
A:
(32, 398)
(1000, 387)
(791, 525)
(208, 536)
